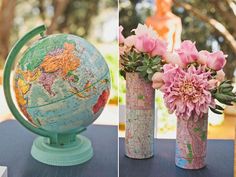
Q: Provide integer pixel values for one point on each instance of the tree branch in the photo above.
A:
(232, 5)
(41, 9)
(223, 7)
(7, 13)
(214, 23)
(59, 8)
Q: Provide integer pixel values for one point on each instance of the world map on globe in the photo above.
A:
(61, 83)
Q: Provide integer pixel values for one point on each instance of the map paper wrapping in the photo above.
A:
(191, 143)
(139, 134)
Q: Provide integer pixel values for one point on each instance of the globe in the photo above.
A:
(61, 85)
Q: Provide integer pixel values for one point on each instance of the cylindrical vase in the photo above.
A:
(140, 117)
(191, 142)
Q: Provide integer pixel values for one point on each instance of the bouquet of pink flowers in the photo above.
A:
(141, 52)
(192, 80)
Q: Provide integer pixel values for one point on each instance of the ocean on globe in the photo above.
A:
(61, 83)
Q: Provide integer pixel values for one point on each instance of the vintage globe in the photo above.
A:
(61, 85)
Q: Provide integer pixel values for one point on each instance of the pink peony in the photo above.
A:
(160, 48)
(220, 75)
(188, 52)
(203, 57)
(157, 81)
(157, 77)
(157, 85)
(144, 43)
(216, 60)
(145, 40)
(186, 92)
(212, 83)
(143, 30)
(121, 50)
(121, 37)
(173, 58)
(130, 41)
(150, 45)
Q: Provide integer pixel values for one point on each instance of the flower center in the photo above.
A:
(187, 88)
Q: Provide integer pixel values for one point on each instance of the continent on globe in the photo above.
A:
(101, 101)
(61, 61)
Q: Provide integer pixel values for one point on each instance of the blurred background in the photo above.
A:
(97, 21)
(211, 23)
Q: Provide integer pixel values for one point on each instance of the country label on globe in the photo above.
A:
(61, 83)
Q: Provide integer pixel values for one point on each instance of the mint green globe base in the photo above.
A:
(77, 152)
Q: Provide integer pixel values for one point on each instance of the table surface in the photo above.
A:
(220, 161)
(16, 142)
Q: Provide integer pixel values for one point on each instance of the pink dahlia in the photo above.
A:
(187, 92)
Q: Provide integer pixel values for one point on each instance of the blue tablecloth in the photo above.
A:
(16, 142)
(220, 161)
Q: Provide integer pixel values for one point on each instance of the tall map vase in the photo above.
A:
(191, 142)
(140, 110)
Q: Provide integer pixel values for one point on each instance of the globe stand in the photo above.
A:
(50, 148)
(62, 153)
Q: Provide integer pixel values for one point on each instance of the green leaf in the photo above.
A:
(227, 90)
(228, 81)
(226, 85)
(141, 68)
(143, 74)
(150, 77)
(215, 111)
(122, 73)
(146, 62)
(149, 71)
(213, 91)
(224, 97)
(141, 63)
(156, 61)
(219, 107)
(155, 67)
(229, 103)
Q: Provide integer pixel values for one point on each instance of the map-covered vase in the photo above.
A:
(191, 142)
(139, 134)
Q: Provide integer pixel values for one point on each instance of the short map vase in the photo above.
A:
(140, 110)
(191, 142)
